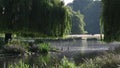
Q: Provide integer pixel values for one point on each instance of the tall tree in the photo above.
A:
(91, 11)
(51, 16)
(14, 17)
(78, 23)
(110, 20)
(48, 17)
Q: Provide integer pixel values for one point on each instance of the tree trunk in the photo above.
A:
(8, 37)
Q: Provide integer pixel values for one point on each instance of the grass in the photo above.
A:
(40, 48)
(44, 47)
(108, 60)
(20, 64)
(18, 47)
(66, 64)
(15, 48)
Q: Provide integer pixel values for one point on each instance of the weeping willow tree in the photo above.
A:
(77, 20)
(51, 16)
(43, 17)
(14, 16)
(78, 23)
(110, 20)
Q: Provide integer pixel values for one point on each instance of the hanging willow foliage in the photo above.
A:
(110, 20)
(15, 15)
(51, 16)
(47, 17)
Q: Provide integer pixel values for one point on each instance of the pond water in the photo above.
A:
(74, 50)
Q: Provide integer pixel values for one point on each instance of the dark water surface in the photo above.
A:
(74, 50)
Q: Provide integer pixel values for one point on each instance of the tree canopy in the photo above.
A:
(77, 21)
(91, 11)
(44, 17)
(110, 20)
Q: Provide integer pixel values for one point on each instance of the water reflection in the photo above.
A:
(84, 45)
(78, 45)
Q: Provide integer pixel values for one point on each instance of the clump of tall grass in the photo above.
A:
(109, 60)
(20, 64)
(65, 63)
(40, 48)
(18, 47)
(44, 47)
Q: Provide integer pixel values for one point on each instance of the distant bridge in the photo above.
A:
(87, 36)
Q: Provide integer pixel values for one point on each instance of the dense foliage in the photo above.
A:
(78, 23)
(110, 20)
(91, 11)
(43, 17)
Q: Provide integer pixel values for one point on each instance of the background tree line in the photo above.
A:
(78, 23)
(91, 11)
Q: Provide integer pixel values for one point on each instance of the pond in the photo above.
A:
(75, 50)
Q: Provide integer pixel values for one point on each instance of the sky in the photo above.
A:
(67, 1)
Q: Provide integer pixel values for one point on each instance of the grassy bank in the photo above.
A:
(21, 48)
(108, 60)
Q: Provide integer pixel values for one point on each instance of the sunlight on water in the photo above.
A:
(84, 45)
